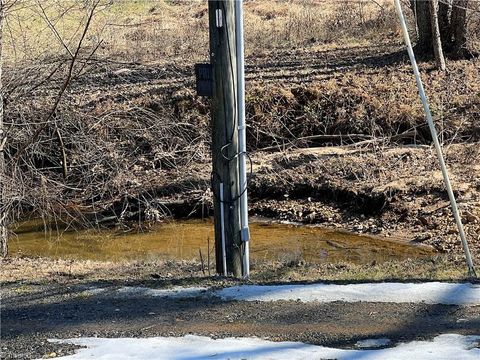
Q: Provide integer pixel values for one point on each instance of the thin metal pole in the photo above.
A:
(433, 131)
(222, 225)
(242, 141)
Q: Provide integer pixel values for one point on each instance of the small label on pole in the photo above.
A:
(219, 18)
(203, 75)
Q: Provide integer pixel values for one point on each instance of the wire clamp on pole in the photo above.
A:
(222, 227)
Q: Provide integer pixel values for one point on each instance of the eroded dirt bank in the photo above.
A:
(337, 137)
(394, 192)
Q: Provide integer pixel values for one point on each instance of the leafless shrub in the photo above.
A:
(360, 20)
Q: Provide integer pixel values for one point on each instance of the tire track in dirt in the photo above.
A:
(303, 66)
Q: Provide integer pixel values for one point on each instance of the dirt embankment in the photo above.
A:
(337, 137)
(395, 192)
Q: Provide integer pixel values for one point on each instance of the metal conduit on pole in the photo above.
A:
(242, 142)
(433, 131)
(222, 227)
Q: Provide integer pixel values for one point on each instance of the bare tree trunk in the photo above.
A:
(437, 41)
(424, 43)
(449, 27)
(444, 13)
(459, 27)
(3, 195)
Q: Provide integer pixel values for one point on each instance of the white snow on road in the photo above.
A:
(190, 347)
(430, 293)
(372, 343)
(175, 292)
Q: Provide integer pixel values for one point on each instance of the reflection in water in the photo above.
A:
(184, 240)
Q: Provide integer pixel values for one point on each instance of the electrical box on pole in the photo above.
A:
(204, 80)
(225, 149)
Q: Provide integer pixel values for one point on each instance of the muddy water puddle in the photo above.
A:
(185, 240)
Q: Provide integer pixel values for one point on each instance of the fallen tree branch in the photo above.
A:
(365, 139)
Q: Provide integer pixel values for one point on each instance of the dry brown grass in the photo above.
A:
(375, 101)
(163, 30)
(44, 271)
(160, 30)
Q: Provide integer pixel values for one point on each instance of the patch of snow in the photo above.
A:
(175, 292)
(91, 291)
(372, 343)
(443, 347)
(430, 293)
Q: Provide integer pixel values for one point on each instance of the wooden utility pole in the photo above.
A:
(225, 134)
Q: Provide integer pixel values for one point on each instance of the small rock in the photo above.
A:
(424, 220)
(422, 237)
